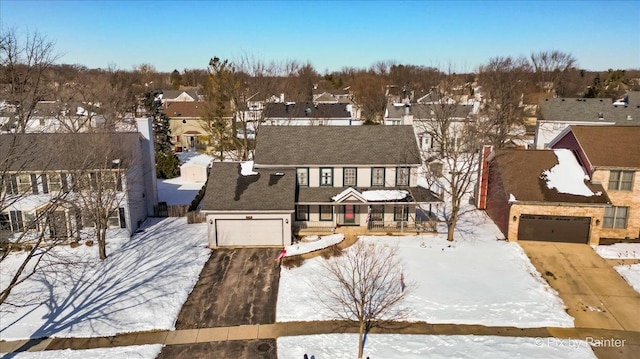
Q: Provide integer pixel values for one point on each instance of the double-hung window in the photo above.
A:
(326, 176)
(401, 213)
(616, 217)
(402, 176)
(326, 213)
(55, 182)
(377, 176)
(302, 213)
(621, 180)
(303, 176)
(350, 176)
(377, 213)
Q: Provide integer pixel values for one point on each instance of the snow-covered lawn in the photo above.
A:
(474, 280)
(132, 352)
(631, 273)
(176, 191)
(336, 346)
(140, 286)
(619, 251)
(313, 243)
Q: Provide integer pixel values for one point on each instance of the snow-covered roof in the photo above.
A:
(384, 195)
(567, 176)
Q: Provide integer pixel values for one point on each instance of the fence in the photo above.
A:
(196, 217)
(164, 210)
(313, 226)
(403, 226)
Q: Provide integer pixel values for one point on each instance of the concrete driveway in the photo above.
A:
(594, 293)
(249, 349)
(236, 287)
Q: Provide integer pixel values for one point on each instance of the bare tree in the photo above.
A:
(365, 286)
(451, 158)
(504, 81)
(101, 183)
(27, 221)
(551, 67)
(369, 95)
(25, 63)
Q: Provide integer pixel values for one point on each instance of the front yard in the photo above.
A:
(140, 286)
(476, 279)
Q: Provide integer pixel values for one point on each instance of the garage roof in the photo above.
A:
(521, 174)
(228, 189)
(336, 145)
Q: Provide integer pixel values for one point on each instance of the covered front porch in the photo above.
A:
(376, 211)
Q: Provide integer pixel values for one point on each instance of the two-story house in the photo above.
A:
(52, 182)
(556, 114)
(611, 157)
(318, 178)
(584, 189)
(309, 114)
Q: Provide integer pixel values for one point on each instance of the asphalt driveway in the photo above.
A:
(236, 287)
(249, 349)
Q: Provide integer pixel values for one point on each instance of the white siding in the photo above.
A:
(364, 177)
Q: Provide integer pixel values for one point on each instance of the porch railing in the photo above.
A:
(316, 226)
(402, 226)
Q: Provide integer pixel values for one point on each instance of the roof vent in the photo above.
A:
(629, 118)
(601, 100)
(562, 100)
(600, 116)
(280, 174)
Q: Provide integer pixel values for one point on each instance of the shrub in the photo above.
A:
(74, 244)
(292, 262)
(333, 251)
(89, 243)
(27, 247)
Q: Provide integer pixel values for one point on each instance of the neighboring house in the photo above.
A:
(63, 167)
(188, 95)
(611, 157)
(556, 114)
(309, 114)
(331, 96)
(188, 130)
(317, 178)
(423, 118)
(584, 190)
(526, 203)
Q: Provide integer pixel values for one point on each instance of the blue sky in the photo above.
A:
(330, 34)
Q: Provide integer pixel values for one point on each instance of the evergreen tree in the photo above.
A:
(167, 163)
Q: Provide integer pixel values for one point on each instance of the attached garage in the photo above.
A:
(247, 208)
(554, 228)
(249, 232)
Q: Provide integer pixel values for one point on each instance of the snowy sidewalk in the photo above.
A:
(270, 331)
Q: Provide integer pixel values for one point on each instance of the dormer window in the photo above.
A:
(600, 116)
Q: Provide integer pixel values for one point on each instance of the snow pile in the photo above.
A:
(247, 168)
(630, 273)
(325, 346)
(384, 195)
(619, 251)
(567, 176)
(141, 286)
(459, 282)
(307, 247)
(198, 159)
(512, 198)
(131, 352)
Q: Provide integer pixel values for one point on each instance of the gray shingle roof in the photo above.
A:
(429, 111)
(520, 171)
(228, 190)
(299, 110)
(588, 109)
(324, 194)
(67, 151)
(336, 145)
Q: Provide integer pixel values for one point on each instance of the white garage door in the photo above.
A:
(249, 232)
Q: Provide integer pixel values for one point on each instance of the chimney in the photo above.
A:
(145, 127)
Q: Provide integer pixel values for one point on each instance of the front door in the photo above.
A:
(349, 214)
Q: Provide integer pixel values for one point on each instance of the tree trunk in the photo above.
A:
(451, 229)
(361, 341)
(102, 243)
